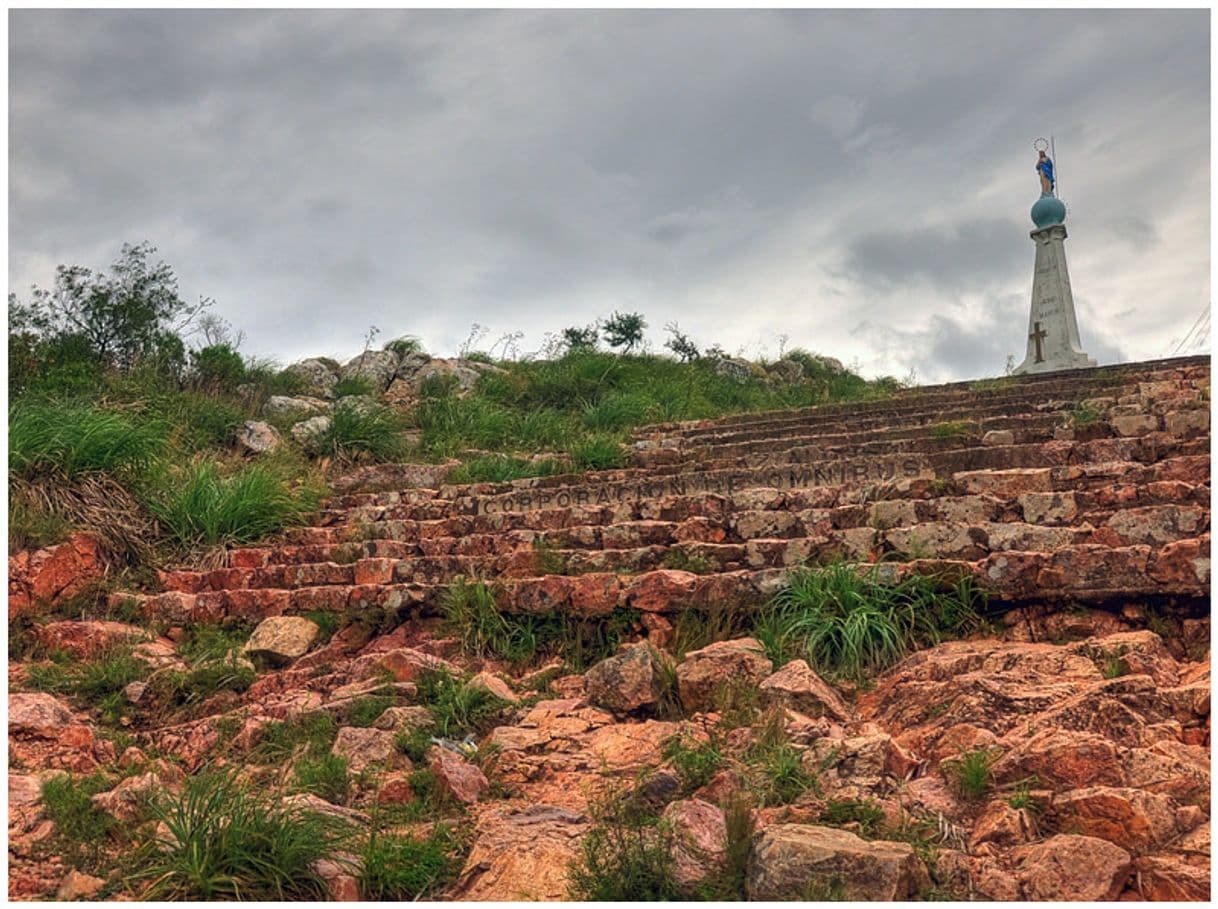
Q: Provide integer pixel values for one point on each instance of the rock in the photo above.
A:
(308, 433)
(397, 719)
(1173, 877)
(737, 369)
(377, 477)
(1069, 867)
(36, 713)
(376, 367)
(494, 686)
(257, 436)
(699, 841)
(128, 800)
(413, 377)
(521, 854)
(321, 375)
(286, 407)
(1002, 825)
(457, 778)
(79, 886)
(625, 682)
(787, 371)
(86, 640)
(796, 686)
(395, 789)
(405, 664)
(703, 673)
(1136, 821)
(307, 801)
(1135, 424)
(134, 691)
(342, 885)
(363, 747)
(998, 437)
(281, 639)
(48, 576)
(806, 862)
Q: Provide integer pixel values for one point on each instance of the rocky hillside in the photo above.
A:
(949, 644)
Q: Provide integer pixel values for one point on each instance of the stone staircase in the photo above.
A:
(1087, 486)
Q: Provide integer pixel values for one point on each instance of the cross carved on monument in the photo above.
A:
(1037, 336)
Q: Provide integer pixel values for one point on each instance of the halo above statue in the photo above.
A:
(1041, 144)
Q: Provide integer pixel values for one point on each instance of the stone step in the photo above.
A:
(616, 487)
(1075, 572)
(962, 395)
(769, 539)
(969, 393)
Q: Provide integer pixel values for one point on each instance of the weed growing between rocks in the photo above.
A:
(97, 683)
(224, 841)
(81, 830)
(458, 709)
(324, 775)
(849, 623)
(971, 773)
(694, 762)
(396, 867)
(625, 857)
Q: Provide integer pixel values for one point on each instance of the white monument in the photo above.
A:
(1053, 341)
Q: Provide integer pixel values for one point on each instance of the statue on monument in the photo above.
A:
(1052, 341)
(1044, 167)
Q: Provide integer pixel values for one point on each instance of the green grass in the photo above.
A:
(364, 431)
(457, 709)
(413, 743)
(778, 774)
(324, 775)
(98, 683)
(229, 842)
(203, 506)
(957, 429)
(680, 560)
(1021, 799)
(849, 623)
(74, 438)
(353, 386)
(866, 814)
(406, 868)
(625, 856)
(80, 828)
(971, 773)
(312, 733)
(365, 711)
(599, 453)
(694, 762)
(502, 469)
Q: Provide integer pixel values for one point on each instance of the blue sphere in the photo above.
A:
(1048, 211)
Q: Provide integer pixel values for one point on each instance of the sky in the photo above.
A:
(855, 183)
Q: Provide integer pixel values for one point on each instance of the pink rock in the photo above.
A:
(703, 673)
(1069, 867)
(699, 840)
(456, 777)
(37, 713)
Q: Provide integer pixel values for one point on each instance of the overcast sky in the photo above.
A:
(858, 181)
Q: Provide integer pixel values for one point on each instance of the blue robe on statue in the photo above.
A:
(1046, 167)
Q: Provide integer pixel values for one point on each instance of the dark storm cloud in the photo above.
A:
(750, 174)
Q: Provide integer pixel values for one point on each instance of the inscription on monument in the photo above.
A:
(796, 476)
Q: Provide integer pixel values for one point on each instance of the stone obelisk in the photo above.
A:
(1053, 341)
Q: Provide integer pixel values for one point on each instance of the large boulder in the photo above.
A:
(787, 371)
(407, 387)
(289, 407)
(48, 576)
(703, 673)
(36, 713)
(320, 375)
(364, 747)
(699, 841)
(1069, 867)
(798, 687)
(625, 682)
(456, 777)
(280, 639)
(309, 433)
(1135, 820)
(521, 854)
(375, 367)
(257, 436)
(737, 369)
(803, 862)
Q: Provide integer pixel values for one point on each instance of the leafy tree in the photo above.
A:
(218, 366)
(624, 330)
(131, 315)
(580, 339)
(681, 344)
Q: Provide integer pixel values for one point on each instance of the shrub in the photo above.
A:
(413, 742)
(312, 733)
(224, 841)
(406, 868)
(624, 330)
(681, 344)
(581, 339)
(625, 856)
(218, 366)
(365, 711)
(850, 623)
(865, 813)
(361, 429)
(74, 439)
(98, 683)
(202, 506)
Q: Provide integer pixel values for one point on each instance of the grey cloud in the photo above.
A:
(748, 173)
